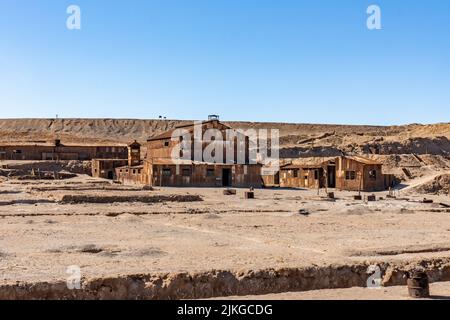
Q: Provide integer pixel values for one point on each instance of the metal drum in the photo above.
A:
(418, 285)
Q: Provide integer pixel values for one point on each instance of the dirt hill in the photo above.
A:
(296, 139)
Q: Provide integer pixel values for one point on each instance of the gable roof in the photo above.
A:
(134, 144)
(363, 160)
(190, 126)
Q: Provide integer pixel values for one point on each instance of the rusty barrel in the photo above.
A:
(249, 195)
(418, 285)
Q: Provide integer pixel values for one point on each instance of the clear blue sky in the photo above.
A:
(258, 60)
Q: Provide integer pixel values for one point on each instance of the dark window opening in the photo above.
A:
(295, 173)
(373, 174)
(210, 172)
(166, 143)
(166, 172)
(186, 172)
(350, 175)
(316, 174)
(226, 177)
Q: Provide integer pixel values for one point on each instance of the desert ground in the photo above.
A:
(131, 242)
(156, 236)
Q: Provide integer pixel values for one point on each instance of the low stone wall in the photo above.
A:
(76, 199)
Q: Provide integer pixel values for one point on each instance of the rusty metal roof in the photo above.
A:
(168, 134)
(170, 161)
(51, 144)
(363, 160)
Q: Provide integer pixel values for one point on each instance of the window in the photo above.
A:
(166, 143)
(134, 171)
(316, 174)
(210, 172)
(350, 175)
(373, 174)
(295, 173)
(186, 172)
(166, 172)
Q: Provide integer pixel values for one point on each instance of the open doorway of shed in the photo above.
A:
(331, 171)
(110, 175)
(276, 180)
(226, 177)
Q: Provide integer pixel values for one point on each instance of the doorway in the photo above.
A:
(331, 171)
(276, 179)
(226, 177)
(110, 175)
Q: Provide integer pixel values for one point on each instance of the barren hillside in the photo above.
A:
(296, 139)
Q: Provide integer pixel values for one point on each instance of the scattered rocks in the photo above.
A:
(304, 212)
(91, 248)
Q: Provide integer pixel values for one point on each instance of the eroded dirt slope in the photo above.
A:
(296, 139)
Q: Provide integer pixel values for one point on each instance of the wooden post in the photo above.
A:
(318, 182)
(360, 183)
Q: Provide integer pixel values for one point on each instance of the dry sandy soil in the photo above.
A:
(134, 243)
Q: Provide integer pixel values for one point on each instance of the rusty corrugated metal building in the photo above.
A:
(351, 173)
(57, 151)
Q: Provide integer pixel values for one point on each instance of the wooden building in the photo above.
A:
(106, 168)
(187, 173)
(359, 173)
(58, 151)
(131, 175)
(351, 173)
(165, 165)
